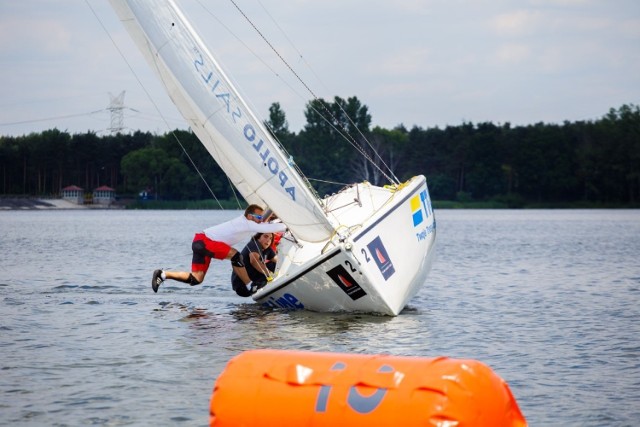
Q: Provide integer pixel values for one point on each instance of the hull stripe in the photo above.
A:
(300, 274)
(389, 212)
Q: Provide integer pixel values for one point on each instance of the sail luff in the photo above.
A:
(221, 119)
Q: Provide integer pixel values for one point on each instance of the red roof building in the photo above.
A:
(74, 194)
(104, 195)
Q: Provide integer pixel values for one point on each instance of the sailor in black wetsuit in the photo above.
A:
(259, 260)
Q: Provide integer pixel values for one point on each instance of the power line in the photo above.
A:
(45, 119)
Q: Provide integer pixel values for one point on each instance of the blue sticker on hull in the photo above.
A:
(381, 256)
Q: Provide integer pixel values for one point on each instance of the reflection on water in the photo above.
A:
(548, 299)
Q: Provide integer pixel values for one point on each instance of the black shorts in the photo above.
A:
(240, 287)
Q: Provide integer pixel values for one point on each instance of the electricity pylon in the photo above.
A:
(116, 107)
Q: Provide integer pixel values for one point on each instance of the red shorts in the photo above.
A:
(204, 249)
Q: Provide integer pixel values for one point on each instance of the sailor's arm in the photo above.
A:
(267, 227)
(256, 261)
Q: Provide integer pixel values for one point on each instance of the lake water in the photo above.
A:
(550, 300)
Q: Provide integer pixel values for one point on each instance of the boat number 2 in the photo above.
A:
(356, 401)
(351, 267)
(366, 255)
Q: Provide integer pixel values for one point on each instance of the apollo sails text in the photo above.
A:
(223, 95)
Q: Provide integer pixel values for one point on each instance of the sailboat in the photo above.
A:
(364, 249)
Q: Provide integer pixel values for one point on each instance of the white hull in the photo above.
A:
(375, 263)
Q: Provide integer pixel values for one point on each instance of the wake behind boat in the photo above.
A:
(364, 249)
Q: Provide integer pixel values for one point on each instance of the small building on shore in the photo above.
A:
(74, 194)
(104, 195)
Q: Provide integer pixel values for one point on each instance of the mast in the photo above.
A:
(221, 119)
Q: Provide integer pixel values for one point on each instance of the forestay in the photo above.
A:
(220, 118)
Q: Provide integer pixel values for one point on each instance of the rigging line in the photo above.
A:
(349, 137)
(343, 132)
(222, 24)
(344, 135)
(263, 256)
(197, 169)
(329, 182)
(372, 149)
(46, 119)
(279, 143)
(152, 102)
(293, 46)
(274, 50)
(233, 190)
(325, 87)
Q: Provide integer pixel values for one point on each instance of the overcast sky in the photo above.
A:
(417, 62)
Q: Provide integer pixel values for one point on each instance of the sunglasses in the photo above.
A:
(258, 217)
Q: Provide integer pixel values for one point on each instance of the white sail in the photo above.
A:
(232, 134)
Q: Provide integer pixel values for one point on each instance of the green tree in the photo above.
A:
(333, 134)
(277, 122)
(185, 146)
(484, 173)
(383, 154)
(151, 169)
(595, 161)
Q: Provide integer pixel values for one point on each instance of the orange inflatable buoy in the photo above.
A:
(294, 388)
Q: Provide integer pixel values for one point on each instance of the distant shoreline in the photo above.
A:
(30, 204)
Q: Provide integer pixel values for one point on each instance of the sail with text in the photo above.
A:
(221, 119)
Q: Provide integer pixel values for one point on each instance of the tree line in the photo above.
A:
(594, 162)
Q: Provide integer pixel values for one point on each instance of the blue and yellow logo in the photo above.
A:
(420, 207)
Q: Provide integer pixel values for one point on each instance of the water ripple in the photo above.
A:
(548, 299)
